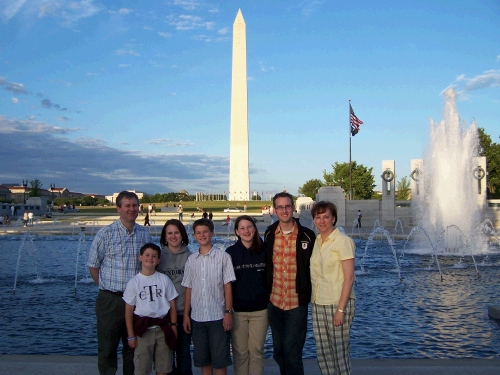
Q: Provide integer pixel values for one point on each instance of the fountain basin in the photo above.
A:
(418, 317)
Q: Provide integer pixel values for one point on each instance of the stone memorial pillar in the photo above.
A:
(388, 192)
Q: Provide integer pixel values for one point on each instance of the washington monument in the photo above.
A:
(239, 180)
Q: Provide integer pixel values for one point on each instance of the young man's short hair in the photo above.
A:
(152, 246)
(203, 222)
(126, 194)
(283, 194)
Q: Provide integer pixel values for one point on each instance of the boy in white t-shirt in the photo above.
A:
(151, 315)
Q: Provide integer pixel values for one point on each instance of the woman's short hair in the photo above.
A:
(321, 207)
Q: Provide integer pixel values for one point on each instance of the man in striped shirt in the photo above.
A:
(113, 261)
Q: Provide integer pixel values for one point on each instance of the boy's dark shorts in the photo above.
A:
(210, 344)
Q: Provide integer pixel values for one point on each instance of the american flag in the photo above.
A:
(355, 123)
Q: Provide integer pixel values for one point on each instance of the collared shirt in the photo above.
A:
(284, 291)
(327, 275)
(115, 252)
(206, 275)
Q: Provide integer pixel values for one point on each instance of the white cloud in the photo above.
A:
(124, 11)
(490, 78)
(15, 100)
(187, 4)
(91, 165)
(169, 142)
(70, 11)
(223, 31)
(311, 7)
(202, 37)
(11, 8)
(265, 68)
(17, 88)
(189, 22)
(164, 35)
(127, 52)
(31, 127)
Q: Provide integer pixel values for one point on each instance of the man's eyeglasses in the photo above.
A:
(283, 208)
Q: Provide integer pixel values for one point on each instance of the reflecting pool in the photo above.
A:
(420, 316)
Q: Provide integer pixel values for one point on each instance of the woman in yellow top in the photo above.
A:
(333, 300)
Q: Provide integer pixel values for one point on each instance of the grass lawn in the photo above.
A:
(214, 206)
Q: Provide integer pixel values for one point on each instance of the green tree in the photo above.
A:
(36, 188)
(403, 191)
(491, 150)
(310, 188)
(88, 201)
(103, 202)
(363, 181)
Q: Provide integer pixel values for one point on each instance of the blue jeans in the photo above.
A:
(182, 353)
(289, 328)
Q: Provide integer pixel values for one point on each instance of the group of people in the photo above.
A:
(4, 219)
(28, 219)
(157, 300)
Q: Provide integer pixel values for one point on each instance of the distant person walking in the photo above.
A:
(113, 260)
(359, 218)
(180, 211)
(25, 219)
(146, 220)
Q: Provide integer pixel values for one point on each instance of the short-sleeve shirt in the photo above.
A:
(206, 275)
(115, 252)
(327, 276)
(151, 295)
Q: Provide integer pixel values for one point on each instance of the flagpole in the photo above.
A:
(350, 162)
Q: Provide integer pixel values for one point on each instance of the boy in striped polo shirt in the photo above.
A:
(207, 277)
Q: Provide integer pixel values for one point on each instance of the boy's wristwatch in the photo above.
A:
(173, 324)
(230, 311)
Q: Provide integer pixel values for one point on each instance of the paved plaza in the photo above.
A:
(69, 365)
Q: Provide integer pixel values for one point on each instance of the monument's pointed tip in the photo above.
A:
(239, 18)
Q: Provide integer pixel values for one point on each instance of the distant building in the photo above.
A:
(112, 198)
(4, 193)
(96, 196)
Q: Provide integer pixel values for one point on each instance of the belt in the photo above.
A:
(119, 294)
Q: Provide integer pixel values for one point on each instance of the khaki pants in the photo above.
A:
(248, 337)
(151, 348)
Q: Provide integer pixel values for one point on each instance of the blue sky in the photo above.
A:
(100, 96)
